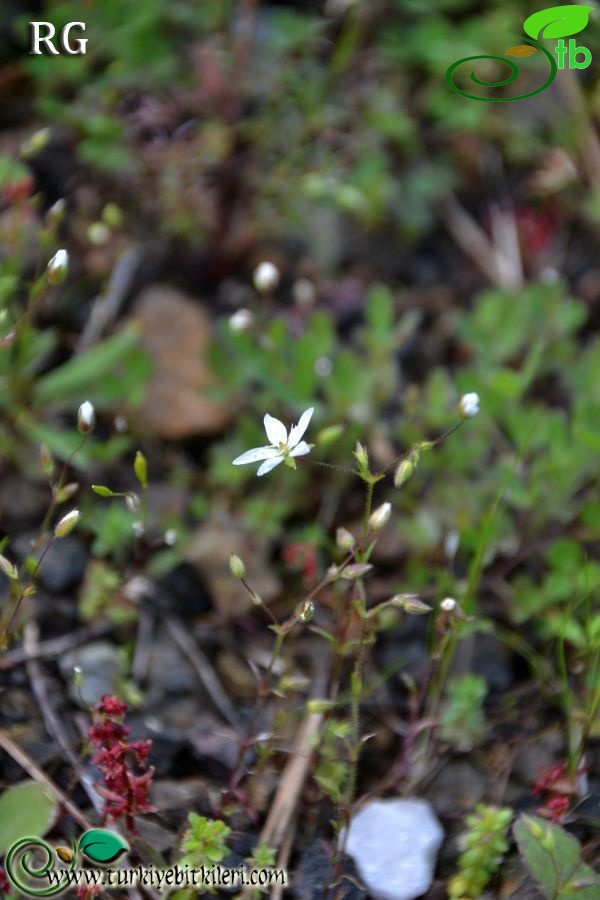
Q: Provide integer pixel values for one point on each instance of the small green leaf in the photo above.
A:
(26, 810)
(102, 846)
(557, 22)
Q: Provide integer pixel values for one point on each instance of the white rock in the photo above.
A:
(394, 844)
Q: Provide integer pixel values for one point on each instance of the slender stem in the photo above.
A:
(23, 591)
(262, 695)
(368, 506)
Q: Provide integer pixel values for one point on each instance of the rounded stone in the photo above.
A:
(394, 844)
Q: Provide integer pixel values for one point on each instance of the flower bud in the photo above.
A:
(344, 539)
(46, 461)
(56, 213)
(132, 500)
(35, 143)
(7, 567)
(448, 604)
(112, 215)
(266, 277)
(170, 537)
(405, 469)
(304, 611)
(86, 418)
(329, 434)
(66, 492)
(362, 458)
(98, 234)
(380, 516)
(102, 490)
(66, 525)
(140, 468)
(468, 406)
(355, 570)
(238, 569)
(303, 293)
(241, 320)
(411, 604)
(57, 268)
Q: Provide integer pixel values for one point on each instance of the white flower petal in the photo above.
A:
(298, 430)
(276, 430)
(268, 465)
(256, 455)
(301, 449)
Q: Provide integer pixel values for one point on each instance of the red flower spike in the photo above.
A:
(123, 789)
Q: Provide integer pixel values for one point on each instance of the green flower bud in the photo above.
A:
(66, 525)
(405, 469)
(238, 569)
(355, 570)
(411, 604)
(140, 468)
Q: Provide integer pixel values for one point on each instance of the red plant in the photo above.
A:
(559, 788)
(125, 791)
(301, 555)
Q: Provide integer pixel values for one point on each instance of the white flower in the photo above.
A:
(266, 277)
(468, 406)
(283, 447)
(448, 604)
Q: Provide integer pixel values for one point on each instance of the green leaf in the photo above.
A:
(554, 859)
(102, 846)
(557, 22)
(98, 375)
(26, 810)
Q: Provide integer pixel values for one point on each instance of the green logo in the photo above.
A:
(31, 860)
(557, 22)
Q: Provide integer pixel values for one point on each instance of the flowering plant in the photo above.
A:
(125, 791)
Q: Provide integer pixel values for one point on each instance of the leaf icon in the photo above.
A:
(557, 22)
(102, 846)
(521, 50)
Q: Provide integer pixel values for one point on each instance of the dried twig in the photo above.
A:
(143, 646)
(292, 781)
(55, 646)
(107, 306)
(52, 722)
(205, 671)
